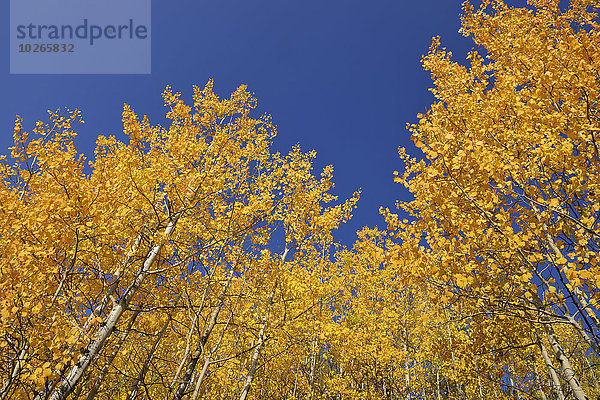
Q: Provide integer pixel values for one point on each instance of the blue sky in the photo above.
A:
(340, 77)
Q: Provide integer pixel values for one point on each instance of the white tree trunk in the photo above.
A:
(106, 329)
(538, 383)
(576, 291)
(556, 386)
(313, 362)
(20, 361)
(94, 390)
(212, 321)
(565, 365)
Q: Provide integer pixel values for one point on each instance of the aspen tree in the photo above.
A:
(506, 197)
(120, 281)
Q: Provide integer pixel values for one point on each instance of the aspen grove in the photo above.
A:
(194, 262)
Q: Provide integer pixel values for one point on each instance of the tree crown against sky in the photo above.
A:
(192, 260)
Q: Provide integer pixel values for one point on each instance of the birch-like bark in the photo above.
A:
(212, 321)
(480, 388)
(188, 344)
(207, 359)
(556, 386)
(94, 390)
(439, 385)
(512, 387)
(20, 361)
(538, 382)
(104, 332)
(108, 295)
(565, 365)
(110, 290)
(200, 379)
(313, 362)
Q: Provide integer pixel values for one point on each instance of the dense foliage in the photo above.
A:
(193, 262)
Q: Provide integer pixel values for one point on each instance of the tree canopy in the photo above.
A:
(191, 261)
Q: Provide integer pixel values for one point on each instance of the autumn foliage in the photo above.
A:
(193, 262)
(181, 253)
(506, 200)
